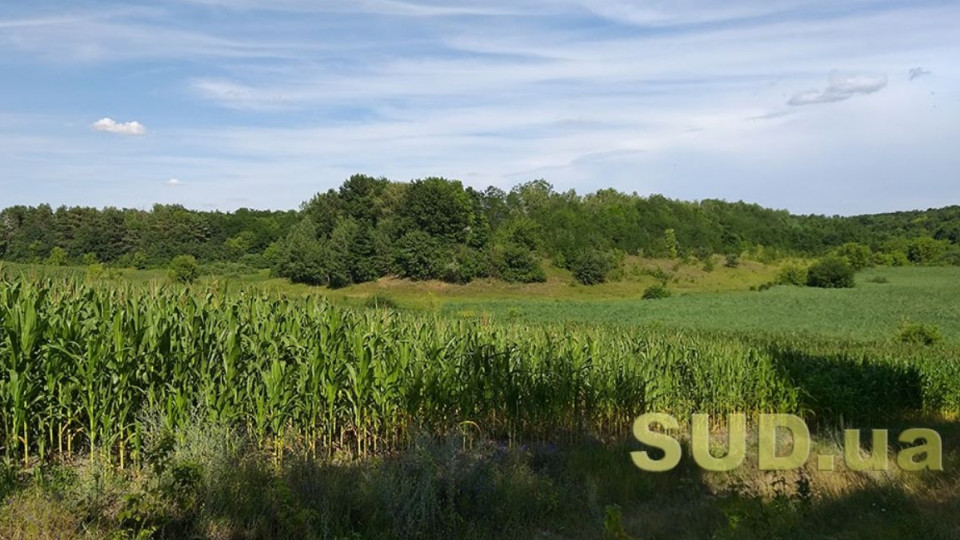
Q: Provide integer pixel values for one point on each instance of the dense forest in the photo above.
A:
(435, 228)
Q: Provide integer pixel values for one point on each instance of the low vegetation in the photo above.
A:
(831, 273)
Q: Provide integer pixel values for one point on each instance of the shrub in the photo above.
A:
(879, 279)
(515, 262)
(792, 274)
(732, 260)
(952, 257)
(468, 264)
(591, 267)
(655, 292)
(858, 255)
(95, 271)
(708, 264)
(89, 259)
(925, 250)
(831, 272)
(57, 257)
(919, 334)
(184, 269)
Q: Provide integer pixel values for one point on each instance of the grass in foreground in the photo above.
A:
(206, 481)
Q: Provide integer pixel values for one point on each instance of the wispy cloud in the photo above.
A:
(110, 125)
(173, 182)
(376, 7)
(840, 88)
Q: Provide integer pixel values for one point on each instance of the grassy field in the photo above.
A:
(871, 311)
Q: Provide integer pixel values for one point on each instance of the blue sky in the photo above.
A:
(818, 106)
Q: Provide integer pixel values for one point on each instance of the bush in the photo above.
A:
(468, 264)
(516, 263)
(708, 264)
(57, 257)
(591, 267)
(858, 255)
(655, 292)
(184, 269)
(952, 257)
(792, 274)
(732, 261)
(919, 334)
(925, 250)
(831, 272)
(879, 279)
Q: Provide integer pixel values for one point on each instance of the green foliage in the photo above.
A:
(671, 244)
(792, 274)
(58, 257)
(301, 257)
(858, 255)
(925, 250)
(655, 292)
(419, 256)
(591, 267)
(831, 272)
(516, 263)
(708, 264)
(467, 264)
(919, 334)
(732, 260)
(952, 257)
(439, 207)
(184, 269)
(138, 260)
(356, 229)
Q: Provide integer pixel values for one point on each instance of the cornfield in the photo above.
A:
(82, 364)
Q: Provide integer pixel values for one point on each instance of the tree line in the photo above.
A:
(434, 228)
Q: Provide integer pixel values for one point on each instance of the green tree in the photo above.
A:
(301, 256)
(440, 208)
(419, 256)
(670, 241)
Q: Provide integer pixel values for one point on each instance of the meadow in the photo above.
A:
(234, 408)
(883, 300)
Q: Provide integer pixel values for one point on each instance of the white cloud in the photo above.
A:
(840, 88)
(110, 125)
(173, 182)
